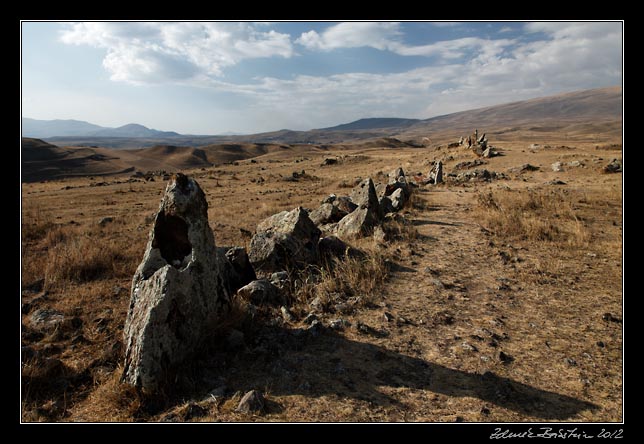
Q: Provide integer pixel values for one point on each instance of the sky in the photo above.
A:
(250, 77)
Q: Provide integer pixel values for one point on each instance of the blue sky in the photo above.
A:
(247, 77)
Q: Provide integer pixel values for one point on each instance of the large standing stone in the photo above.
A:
(284, 240)
(177, 290)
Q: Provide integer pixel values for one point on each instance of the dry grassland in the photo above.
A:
(496, 301)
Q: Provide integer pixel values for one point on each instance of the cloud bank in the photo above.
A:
(461, 73)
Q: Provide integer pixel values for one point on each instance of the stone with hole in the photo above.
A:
(177, 290)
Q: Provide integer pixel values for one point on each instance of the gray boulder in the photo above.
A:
(615, 166)
(397, 199)
(364, 195)
(557, 167)
(358, 223)
(285, 240)
(177, 290)
(251, 402)
(327, 213)
(344, 204)
(261, 292)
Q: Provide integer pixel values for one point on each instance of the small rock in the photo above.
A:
(388, 317)
(615, 166)
(339, 324)
(557, 167)
(261, 292)
(601, 344)
(505, 358)
(218, 392)
(310, 318)
(611, 318)
(469, 347)
(195, 411)
(252, 402)
(106, 220)
(571, 362)
(286, 314)
(485, 411)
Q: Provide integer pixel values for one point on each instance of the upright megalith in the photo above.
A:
(177, 290)
(284, 240)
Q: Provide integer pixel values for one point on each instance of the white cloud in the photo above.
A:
(154, 52)
(497, 71)
(387, 36)
(379, 35)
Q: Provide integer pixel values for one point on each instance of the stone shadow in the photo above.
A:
(319, 361)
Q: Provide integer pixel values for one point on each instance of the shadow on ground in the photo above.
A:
(318, 362)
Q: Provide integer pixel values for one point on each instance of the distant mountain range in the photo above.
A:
(43, 129)
(578, 114)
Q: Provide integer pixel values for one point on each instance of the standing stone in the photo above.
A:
(397, 199)
(177, 290)
(284, 240)
(364, 194)
(436, 173)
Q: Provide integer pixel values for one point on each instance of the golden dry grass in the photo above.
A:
(537, 284)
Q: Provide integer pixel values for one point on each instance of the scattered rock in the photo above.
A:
(505, 358)
(571, 362)
(327, 213)
(339, 324)
(329, 161)
(286, 239)
(556, 182)
(46, 318)
(106, 220)
(469, 347)
(286, 314)
(615, 166)
(280, 279)
(523, 168)
(469, 164)
(557, 167)
(310, 318)
(358, 223)
(344, 204)
(386, 206)
(388, 316)
(611, 318)
(575, 163)
(177, 289)
(261, 292)
(252, 402)
(601, 344)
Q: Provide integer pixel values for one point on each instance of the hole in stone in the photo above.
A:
(171, 237)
